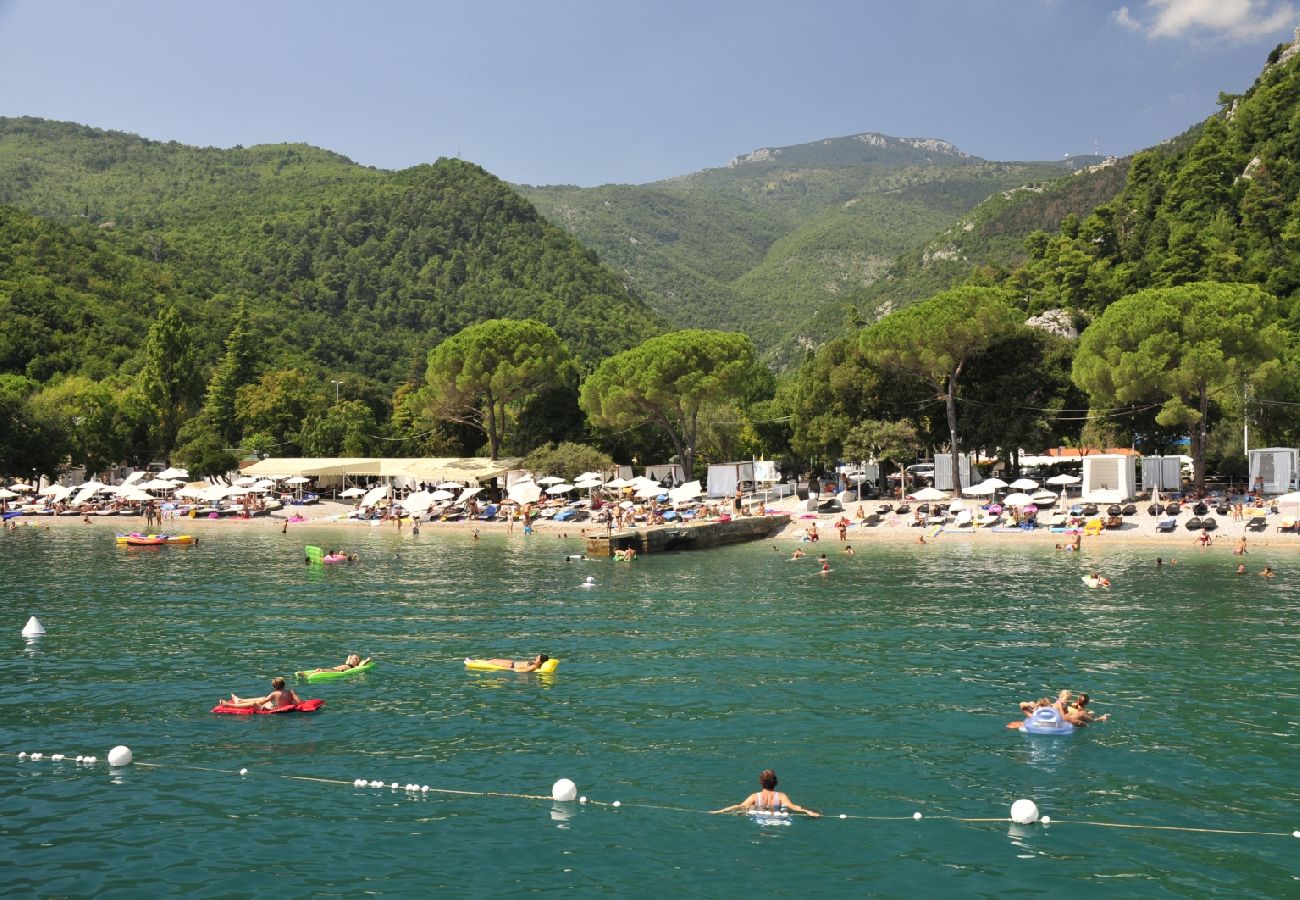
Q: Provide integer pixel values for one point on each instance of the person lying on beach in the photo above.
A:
(279, 696)
(521, 665)
(769, 799)
(353, 661)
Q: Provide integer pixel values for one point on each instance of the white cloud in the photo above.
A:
(1234, 19)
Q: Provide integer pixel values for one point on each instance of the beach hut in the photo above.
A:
(1162, 473)
(1110, 472)
(1273, 470)
(723, 477)
(943, 471)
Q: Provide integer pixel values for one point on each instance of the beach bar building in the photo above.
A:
(1273, 470)
(1111, 473)
(1162, 473)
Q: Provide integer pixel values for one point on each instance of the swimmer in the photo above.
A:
(1241, 569)
(920, 539)
(521, 665)
(1268, 573)
(280, 696)
(798, 553)
(769, 799)
(848, 550)
(590, 582)
(1240, 549)
(352, 662)
(1078, 715)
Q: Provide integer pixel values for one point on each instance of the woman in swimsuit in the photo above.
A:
(769, 799)
(353, 661)
(521, 665)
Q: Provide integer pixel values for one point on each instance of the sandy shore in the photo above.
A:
(1137, 530)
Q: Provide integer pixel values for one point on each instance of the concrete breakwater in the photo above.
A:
(686, 536)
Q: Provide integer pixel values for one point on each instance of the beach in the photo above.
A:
(1137, 530)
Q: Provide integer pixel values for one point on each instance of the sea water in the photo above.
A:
(878, 690)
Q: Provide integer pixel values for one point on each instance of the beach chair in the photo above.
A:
(1092, 527)
(987, 519)
(962, 519)
(489, 513)
(1286, 526)
(872, 520)
(1167, 525)
(1209, 523)
(1056, 520)
(1257, 523)
(1193, 524)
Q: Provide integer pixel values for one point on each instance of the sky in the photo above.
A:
(594, 91)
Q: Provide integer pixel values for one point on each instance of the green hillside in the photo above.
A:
(343, 268)
(780, 233)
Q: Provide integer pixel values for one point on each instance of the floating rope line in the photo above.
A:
(411, 788)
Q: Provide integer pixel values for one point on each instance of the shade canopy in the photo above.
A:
(997, 483)
(374, 495)
(1291, 499)
(618, 483)
(550, 479)
(556, 489)
(1044, 497)
(20, 486)
(525, 492)
(442, 494)
(174, 473)
(352, 492)
(5, 493)
(1064, 479)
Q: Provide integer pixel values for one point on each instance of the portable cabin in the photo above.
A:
(1110, 472)
(970, 473)
(1162, 473)
(1273, 470)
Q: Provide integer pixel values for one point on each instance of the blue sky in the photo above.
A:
(594, 91)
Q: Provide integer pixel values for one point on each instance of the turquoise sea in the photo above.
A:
(875, 692)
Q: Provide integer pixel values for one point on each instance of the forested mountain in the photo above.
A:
(780, 233)
(343, 268)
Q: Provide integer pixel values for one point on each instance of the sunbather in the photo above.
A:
(352, 662)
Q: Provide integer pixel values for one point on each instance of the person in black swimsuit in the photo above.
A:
(769, 799)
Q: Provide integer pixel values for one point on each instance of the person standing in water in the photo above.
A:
(769, 799)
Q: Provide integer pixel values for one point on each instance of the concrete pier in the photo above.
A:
(686, 536)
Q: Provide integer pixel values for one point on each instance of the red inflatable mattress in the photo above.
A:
(305, 706)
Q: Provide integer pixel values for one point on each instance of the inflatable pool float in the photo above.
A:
(482, 665)
(136, 539)
(306, 706)
(313, 677)
(1096, 581)
(1046, 720)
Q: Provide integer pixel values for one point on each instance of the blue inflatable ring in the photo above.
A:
(1047, 720)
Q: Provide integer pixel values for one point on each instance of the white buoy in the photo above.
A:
(582, 799)
(38, 756)
(80, 758)
(917, 816)
(89, 759)
(393, 785)
(376, 784)
(424, 789)
(33, 628)
(1046, 820)
(57, 757)
(120, 756)
(843, 816)
(1024, 812)
(358, 782)
(243, 771)
(616, 804)
(1295, 834)
(23, 755)
(564, 791)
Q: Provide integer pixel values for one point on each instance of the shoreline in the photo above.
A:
(1138, 530)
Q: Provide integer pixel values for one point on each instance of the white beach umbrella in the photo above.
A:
(618, 483)
(418, 502)
(467, 493)
(1291, 499)
(135, 494)
(49, 490)
(1044, 497)
(627, 504)
(21, 486)
(957, 505)
(1017, 500)
(997, 483)
(374, 495)
(245, 480)
(550, 479)
(134, 477)
(5, 493)
(450, 485)
(156, 484)
(1064, 479)
(212, 493)
(588, 483)
(263, 485)
(174, 473)
(352, 492)
(590, 476)
(686, 492)
(929, 495)
(236, 490)
(983, 489)
(192, 493)
(441, 494)
(297, 479)
(562, 488)
(647, 491)
(1024, 484)
(525, 492)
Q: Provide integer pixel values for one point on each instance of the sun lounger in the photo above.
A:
(988, 519)
(1286, 525)
(1257, 523)
(962, 519)
(1167, 525)
(871, 520)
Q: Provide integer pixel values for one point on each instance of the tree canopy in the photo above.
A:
(665, 381)
(933, 341)
(477, 376)
(1184, 350)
